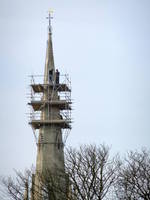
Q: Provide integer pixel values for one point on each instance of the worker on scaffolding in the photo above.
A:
(50, 76)
(57, 77)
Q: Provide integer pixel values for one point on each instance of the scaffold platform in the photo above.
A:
(62, 123)
(61, 104)
(39, 88)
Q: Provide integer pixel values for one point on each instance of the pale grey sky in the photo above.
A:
(105, 47)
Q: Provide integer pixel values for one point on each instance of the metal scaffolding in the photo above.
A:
(50, 104)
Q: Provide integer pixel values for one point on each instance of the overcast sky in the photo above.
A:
(105, 47)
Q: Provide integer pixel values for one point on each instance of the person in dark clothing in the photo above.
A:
(50, 76)
(57, 76)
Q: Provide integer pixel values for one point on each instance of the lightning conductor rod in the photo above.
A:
(49, 20)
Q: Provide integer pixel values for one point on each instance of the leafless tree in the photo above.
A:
(14, 188)
(33, 186)
(89, 175)
(91, 172)
(134, 177)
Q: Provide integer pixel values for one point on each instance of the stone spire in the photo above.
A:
(51, 116)
(49, 156)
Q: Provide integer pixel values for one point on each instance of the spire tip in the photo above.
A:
(50, 12)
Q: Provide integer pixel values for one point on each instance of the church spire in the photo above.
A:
(51, 115)
(49, 63)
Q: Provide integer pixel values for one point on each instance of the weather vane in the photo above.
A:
(50, 12)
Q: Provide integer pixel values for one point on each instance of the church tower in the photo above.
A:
(50, 116)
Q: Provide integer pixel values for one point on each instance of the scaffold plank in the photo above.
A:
(39, 88)
(64, 124)
(61, 104)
